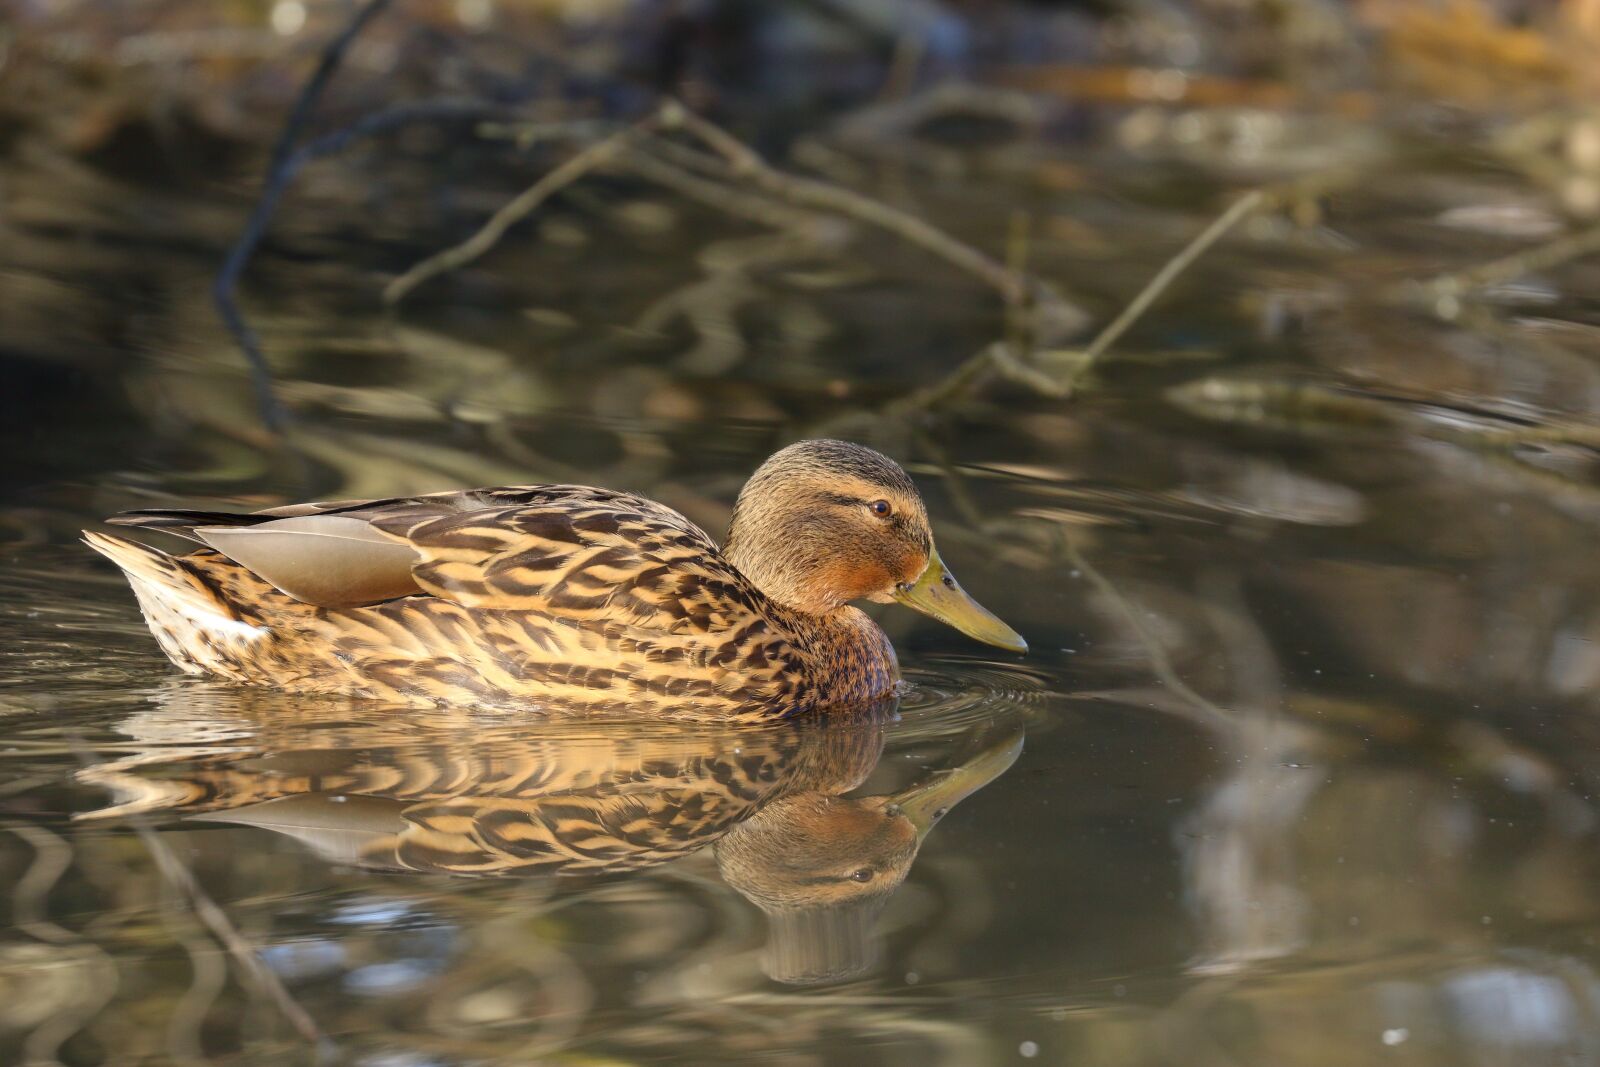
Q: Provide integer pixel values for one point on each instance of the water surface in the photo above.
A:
(1299, 771)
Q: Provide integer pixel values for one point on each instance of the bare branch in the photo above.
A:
(279, 170)
(1057, 318)
(1236, 213)
(598, 155)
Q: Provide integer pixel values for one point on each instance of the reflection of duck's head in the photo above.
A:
(823, 867)
(814, 850)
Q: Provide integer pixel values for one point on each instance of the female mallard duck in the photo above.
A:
(562, 593)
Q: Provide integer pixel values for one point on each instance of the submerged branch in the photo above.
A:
(1236, 213)
(1056, 373)
(1160, 662)
(733, 163)
(698, 177)
(1445, 287)
(279, 171)
(1057, 316)
(1062, 545)
(217, 923)
(220, 926)
(597, 155)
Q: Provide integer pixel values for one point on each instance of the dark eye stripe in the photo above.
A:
(856, 502)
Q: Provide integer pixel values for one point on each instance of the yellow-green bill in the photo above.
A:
(939, 595)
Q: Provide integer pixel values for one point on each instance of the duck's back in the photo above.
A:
(570, 594)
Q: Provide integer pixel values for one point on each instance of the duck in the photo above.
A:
(577, 596)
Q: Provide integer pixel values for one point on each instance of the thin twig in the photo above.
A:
(311, 93)
(998, 357)
(1152, 291)
(1508, 268)
(597, 155)
(221, 927)
(661, 162)
(445, 110)
(1059, 317)
(1010, 360)
(273, 413)
(1160, 663)
(958, 382)
(973, 515)
(734, 161)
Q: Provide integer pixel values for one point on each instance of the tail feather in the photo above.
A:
(153, 571)
(182, 522)
(198, 628)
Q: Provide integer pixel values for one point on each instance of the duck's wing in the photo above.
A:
(184, 522)
(580, 554)
(572, 552)
(328, 553)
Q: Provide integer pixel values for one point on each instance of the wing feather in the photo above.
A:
(575, 553)
(565, 551)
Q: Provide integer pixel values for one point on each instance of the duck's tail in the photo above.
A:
(198, 628)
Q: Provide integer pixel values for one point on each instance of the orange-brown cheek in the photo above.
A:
(910, 568)
(862, 830)
(852, 579)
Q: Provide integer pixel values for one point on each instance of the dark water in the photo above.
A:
(1300, 769)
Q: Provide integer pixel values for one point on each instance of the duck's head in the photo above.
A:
(822, 523)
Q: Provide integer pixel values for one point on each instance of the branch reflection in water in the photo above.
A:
(459, 792)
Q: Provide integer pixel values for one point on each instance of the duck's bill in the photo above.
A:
(938, 594)
(928, 802)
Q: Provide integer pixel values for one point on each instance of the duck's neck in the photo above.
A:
(851, 657)
(784, 573)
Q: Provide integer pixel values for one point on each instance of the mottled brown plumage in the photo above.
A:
(559, 593)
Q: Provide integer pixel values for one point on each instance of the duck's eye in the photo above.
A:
(863, 875)
(880, 508)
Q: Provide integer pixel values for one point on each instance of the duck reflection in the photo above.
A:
(462, 793)
(822, 867)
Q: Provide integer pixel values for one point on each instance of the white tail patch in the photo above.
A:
(195, 629)
(159, 606)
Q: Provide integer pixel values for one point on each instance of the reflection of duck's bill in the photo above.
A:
(939, 595)
(926, 802)
(817, 946)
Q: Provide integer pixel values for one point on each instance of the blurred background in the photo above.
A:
(1302, 534)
